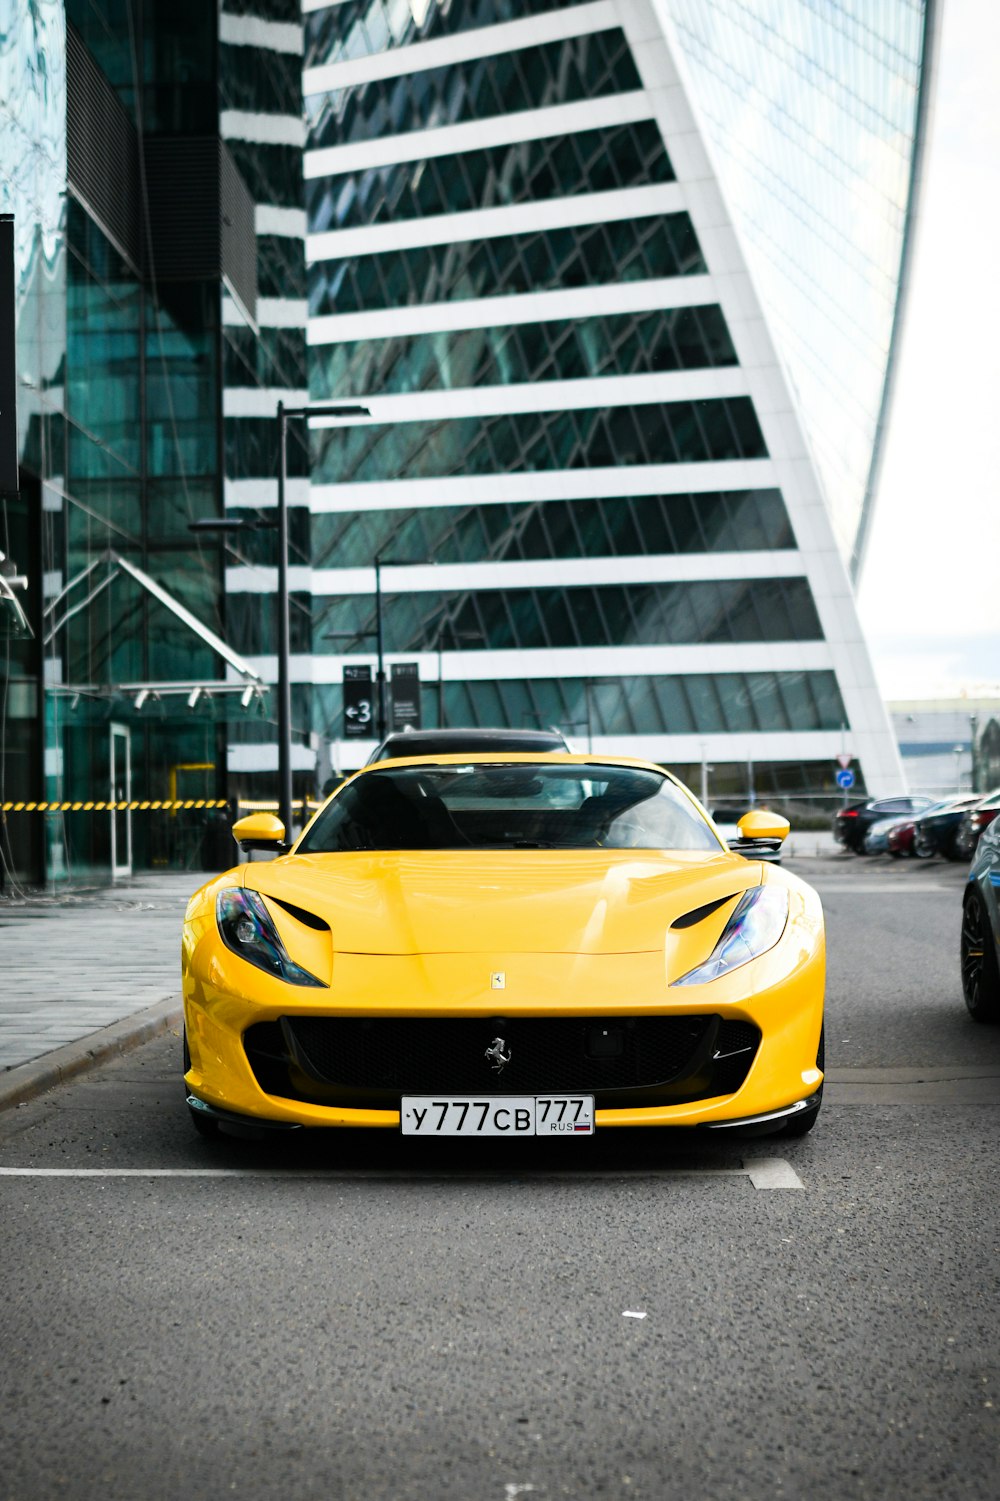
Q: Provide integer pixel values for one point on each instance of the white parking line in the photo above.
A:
(763, 1172)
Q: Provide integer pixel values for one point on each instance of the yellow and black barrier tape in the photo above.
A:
(139, 806)
(153, 805)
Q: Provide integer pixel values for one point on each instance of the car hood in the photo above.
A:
(537, 901)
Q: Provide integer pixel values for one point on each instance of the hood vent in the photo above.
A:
(698, 914)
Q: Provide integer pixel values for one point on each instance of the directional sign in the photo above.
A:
(405, 695)
(359, 710)
(844, 759)
(845, 778)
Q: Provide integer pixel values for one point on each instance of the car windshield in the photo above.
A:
(513, 805)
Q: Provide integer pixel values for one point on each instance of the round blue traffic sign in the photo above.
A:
(845, 778)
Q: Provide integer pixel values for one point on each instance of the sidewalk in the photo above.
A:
(75, 963)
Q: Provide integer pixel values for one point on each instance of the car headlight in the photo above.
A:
(757, 922)
(246, 928)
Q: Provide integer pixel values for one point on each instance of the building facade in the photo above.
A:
(593, 441)
(156, 191)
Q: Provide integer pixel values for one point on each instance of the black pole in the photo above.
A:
(380, 675)
(284, 663)
(440, 647)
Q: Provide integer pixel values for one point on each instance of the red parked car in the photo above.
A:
(900, 840)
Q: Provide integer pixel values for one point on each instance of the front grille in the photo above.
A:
(368, 1062)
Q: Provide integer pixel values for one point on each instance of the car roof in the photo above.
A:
(447, 742)
(495, 758)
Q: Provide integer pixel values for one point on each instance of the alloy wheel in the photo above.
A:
(980, 977)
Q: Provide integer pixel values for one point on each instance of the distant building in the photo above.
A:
(619, 282)
(949, 745)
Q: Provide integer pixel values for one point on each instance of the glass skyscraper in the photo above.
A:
(151, 156)
(618, 282)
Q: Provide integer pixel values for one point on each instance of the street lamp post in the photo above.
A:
(381, 560)
(380, 669)
(284, 416)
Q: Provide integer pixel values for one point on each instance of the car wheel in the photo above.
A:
(923, 845)
(953, 849)
(980, 971)
(965, 845)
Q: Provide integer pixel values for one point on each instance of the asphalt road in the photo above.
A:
(374, 1318)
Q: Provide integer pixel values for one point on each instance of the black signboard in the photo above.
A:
(8, 382)
(405, 695)
(359, 704)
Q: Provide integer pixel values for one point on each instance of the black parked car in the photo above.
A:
(462, 742)
(975, 822)
(938, 831)
(851, 824)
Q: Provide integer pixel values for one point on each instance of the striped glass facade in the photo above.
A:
(585, 456)
(811, 111)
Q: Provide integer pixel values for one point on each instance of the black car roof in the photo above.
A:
(455, 742)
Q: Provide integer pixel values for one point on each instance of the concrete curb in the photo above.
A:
(28, 1080)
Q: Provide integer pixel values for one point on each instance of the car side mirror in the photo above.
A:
(759, 830)
(260, 831)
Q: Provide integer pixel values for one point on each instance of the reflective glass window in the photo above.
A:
(589, 161)
(265, 10)
(281, 266)
(571, 349)
(677, 704)
(273, 174)
(714, 610)
(666, 433)
(541, 260)
(359, 28)
(182, 379)
(251, 448)
(103, 340)
(612, 526)
(260, 79)
(272, 357)
(555, 73)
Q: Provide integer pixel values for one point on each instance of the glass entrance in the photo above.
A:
(121, 792)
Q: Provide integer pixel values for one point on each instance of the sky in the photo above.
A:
(929, 595)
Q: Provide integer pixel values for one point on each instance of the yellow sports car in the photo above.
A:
(506, 945)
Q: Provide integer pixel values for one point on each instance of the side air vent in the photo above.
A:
(308, 919)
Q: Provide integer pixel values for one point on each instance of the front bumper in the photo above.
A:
(787, 1013)
(771, 1118)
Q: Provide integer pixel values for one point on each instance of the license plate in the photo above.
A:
(503, 1115)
